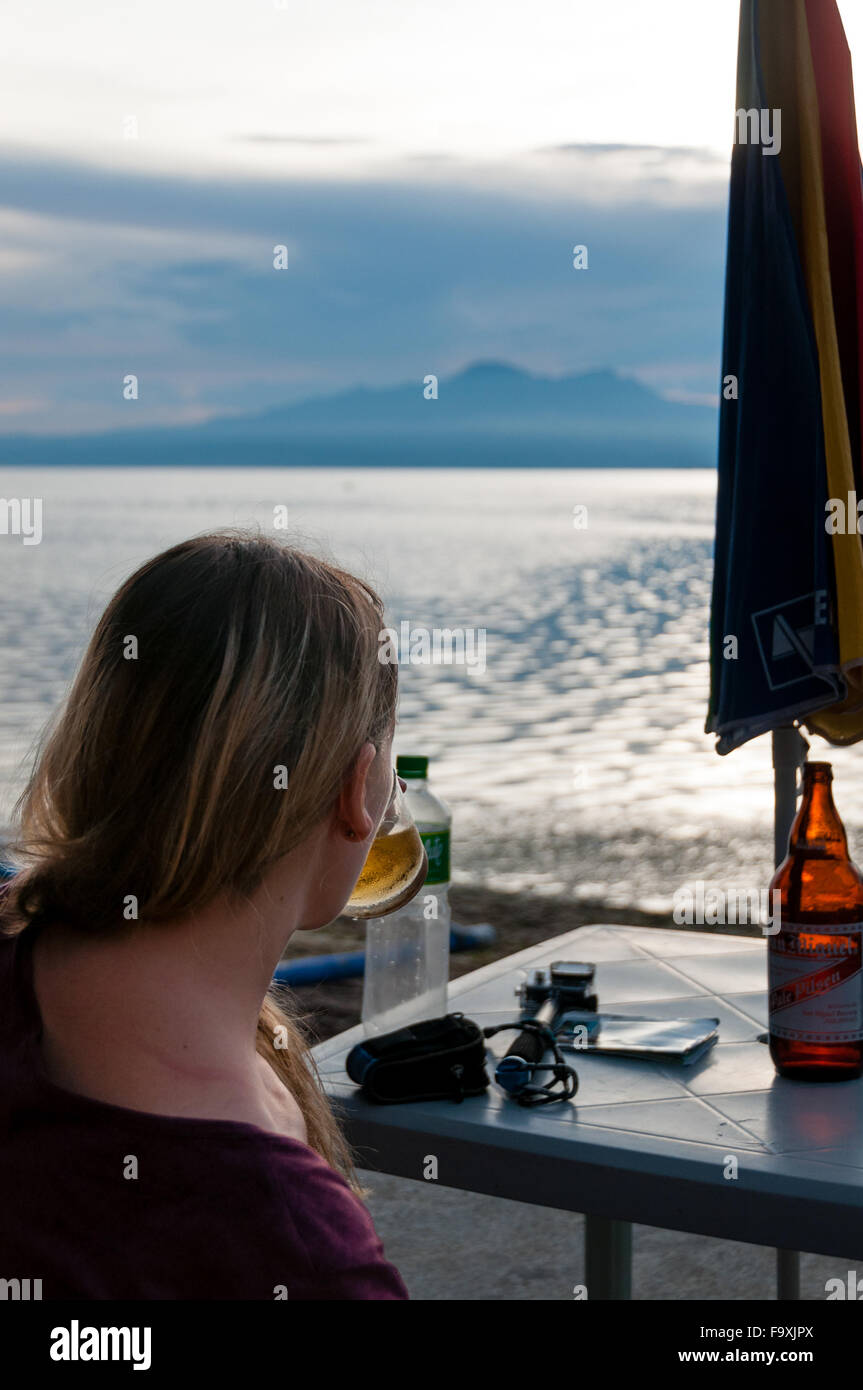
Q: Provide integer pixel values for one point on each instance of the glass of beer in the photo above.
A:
(396, 867)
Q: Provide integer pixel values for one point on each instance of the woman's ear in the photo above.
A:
(351, 810)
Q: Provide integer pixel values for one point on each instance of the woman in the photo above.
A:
(212, 786)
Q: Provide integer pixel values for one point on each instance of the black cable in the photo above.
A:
(563, 1076)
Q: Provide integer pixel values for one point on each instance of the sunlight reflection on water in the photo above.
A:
(577, 762)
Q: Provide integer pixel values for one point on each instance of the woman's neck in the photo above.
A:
(163, 1017)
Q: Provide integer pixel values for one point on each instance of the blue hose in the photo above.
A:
(346, 965)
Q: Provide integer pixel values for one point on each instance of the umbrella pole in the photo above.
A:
(789, 754)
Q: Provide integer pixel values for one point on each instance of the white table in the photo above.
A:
(644, 1142)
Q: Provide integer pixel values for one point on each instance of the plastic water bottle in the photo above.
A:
(407, 953)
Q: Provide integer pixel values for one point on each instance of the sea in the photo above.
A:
(567, 732)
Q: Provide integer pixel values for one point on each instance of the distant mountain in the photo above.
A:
(489, 414)
(490, 397)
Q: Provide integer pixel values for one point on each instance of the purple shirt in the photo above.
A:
(219, 1209)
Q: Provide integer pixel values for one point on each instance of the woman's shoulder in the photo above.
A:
(316, 1201)
(318, 1212)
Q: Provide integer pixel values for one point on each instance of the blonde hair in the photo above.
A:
(158, 775)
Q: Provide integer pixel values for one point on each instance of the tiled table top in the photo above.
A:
(643, 1141)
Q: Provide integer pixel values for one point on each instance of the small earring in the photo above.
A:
(352, 834)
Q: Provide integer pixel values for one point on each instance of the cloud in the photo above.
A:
(21, 407)
(173, 279)
(314, 141)
(666, 152)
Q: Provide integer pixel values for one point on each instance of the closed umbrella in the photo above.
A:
(786, 627)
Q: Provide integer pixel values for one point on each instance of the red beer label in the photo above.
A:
(814, 982)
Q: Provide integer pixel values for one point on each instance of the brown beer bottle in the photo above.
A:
(814, 977)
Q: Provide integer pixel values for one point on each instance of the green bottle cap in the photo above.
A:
(408, 766)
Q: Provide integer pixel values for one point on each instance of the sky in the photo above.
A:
(428, 167)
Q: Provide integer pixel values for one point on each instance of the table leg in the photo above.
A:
(787, 1276)
(608, 1257)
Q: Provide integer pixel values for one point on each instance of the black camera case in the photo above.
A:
(435, 1059)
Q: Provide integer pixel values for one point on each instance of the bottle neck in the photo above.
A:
(817, 825)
